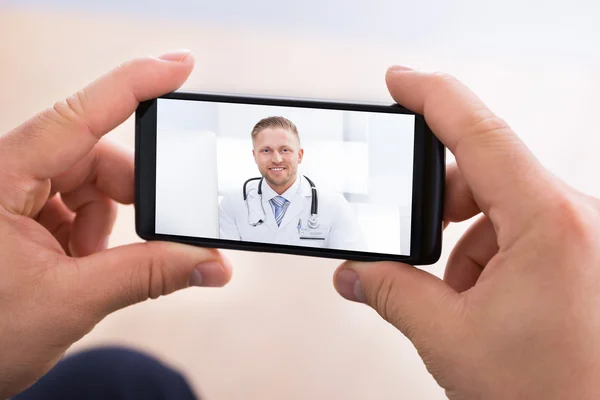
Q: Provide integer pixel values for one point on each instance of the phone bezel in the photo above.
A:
(428, 181)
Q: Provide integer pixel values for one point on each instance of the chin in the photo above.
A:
(278, 182)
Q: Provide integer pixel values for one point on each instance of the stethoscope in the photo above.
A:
(313, 220)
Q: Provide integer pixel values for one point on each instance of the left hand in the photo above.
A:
(58, 188)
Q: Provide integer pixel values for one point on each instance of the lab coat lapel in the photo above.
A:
(256, 211)
(298, 203)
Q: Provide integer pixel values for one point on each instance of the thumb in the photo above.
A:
(419, 304)
(122, 276)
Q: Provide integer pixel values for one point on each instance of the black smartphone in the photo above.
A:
(310, 177)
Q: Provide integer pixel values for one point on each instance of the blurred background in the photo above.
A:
(279, 330)
(204, 151)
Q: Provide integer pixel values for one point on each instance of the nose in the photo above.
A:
(277, 157)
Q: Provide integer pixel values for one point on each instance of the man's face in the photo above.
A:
(277, 153)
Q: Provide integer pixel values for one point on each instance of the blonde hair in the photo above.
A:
(274, 122)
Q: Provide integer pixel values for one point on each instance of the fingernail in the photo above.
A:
(399, 68)
(209, 274)
(176, 55)
(349, 286)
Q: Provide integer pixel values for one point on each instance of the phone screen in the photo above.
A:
(313, 177)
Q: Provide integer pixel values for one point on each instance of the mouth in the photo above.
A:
(276, 168)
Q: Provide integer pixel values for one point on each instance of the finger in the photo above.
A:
(470, 255)
(57, 219)
(503, 175)
(94, 220)
(53, 141)
(419, 304)
(459, 204)
(108, 166)
(121, 276)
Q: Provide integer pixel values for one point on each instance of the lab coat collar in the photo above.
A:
(296, 195)
(269, 193)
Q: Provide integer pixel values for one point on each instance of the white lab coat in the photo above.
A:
(338, 227)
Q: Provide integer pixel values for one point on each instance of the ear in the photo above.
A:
(300, 155)
(254, 155)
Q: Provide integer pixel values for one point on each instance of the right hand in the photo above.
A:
(517, 315)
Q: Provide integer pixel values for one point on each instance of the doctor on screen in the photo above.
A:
(282, 206)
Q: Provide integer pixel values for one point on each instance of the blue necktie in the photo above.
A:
(278, 204)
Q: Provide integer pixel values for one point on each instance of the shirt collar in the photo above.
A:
(269, 193)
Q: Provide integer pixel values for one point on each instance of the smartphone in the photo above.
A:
(285, 175)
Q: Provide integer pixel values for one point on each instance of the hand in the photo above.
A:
(58, 187)
(517, 315)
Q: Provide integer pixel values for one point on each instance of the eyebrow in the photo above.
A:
(270, 148)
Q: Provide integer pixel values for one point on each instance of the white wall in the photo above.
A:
(237, 120)
(186, 177)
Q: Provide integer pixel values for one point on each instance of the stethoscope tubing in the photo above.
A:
(314, 205)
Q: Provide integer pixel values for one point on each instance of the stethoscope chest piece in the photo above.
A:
(313, 221)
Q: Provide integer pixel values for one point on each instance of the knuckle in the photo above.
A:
(443, 79)
(483, 120)
(72, 111)
(150, 283)
(130, 65)
(385, 302)
(569, 221)
(575, 218)
(18, 194)
(133, 64)
(381, 297)
(487, 129)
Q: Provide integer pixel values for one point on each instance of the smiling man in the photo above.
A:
(283, 207)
